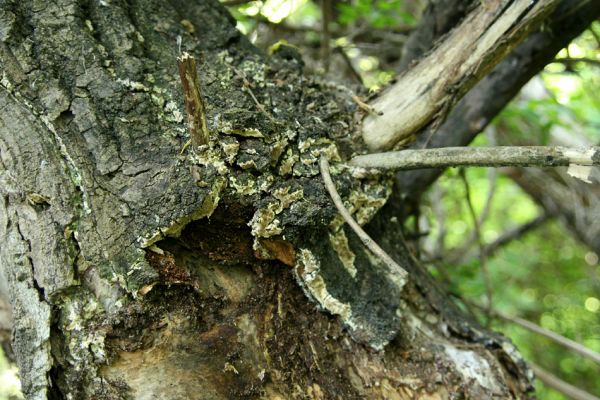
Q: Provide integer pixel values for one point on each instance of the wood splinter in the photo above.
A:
(194, 105)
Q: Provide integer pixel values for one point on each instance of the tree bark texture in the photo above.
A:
(139, 268)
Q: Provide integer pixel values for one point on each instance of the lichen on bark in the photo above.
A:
(135, 264)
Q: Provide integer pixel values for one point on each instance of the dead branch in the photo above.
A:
(428, 91)
(194, 105)
(485, 273)
(500, 156)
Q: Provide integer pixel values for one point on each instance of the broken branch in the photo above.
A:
(194, 105)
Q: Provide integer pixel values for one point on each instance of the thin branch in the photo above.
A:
(516, 233)
(482, 256)
(500, 156)
(248, 87)
(561, 386)
(340, 50)
(363, 236)
(555, 337)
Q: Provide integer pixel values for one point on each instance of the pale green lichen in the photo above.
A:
(265, 181)
(77, 312)
(227, 128)
(133, 85)
(245, 187)
(308, 272)
(230, 147)
(264, 223)
(209, 156)
(364, 203)
(286, 198)
(173, 113)
(339, 242)
(249, 164)
(287, 164)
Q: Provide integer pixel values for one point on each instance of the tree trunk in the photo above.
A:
(139, 267)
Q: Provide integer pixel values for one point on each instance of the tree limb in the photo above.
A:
(440, 79)
(500, 156)
(490, 96)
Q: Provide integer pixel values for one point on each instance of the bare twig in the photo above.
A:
(563, 387)
(482, 256)
(516, 233)
(362, 105)
(340, 50)
(248, 87)
(462, 255)
(194, 105)
(555, 337)
(500, 156)
(364, 237)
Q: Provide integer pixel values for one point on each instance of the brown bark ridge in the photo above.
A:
(139, 268)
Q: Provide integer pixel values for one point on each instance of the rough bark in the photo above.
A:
(141, 268)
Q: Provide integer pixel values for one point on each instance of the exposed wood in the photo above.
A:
(427, 92)
(121, 284)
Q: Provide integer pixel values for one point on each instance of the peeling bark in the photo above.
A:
(138, 270)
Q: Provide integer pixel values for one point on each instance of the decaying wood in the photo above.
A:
(427, 91)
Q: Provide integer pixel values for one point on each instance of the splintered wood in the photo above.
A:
(194, 105)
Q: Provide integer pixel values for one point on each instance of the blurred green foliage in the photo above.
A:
(377, 13)
(545, 276)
